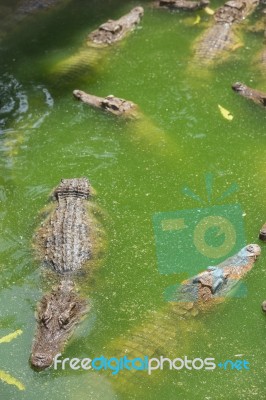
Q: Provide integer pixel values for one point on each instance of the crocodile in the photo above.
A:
(222, 37)
(68, 240)
(115, 30)
(186, 5)
(111, 104)
(89, 57)
(140, 127)
(257, 96)
(262, 234)
(164, 328)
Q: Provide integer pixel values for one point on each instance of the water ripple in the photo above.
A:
(19, 106)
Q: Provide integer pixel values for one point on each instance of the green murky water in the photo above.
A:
(138, 169)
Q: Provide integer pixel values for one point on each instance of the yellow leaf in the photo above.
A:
(197, 20)
(5, 377)
(225, 113)
(209, 10)
(11, 336)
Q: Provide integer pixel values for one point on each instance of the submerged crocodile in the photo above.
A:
(111, 104)
(260, 59)
(66, 241)
(90, 56)
(143, 127)
(186, 5)
(255, 95)
(222, 37)
(165, 330)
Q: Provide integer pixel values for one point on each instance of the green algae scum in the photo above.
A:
(196, 152)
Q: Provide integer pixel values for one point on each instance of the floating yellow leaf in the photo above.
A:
(209, 10)
(11, 336)
(4, 376)
(225, 113)
(197, 20)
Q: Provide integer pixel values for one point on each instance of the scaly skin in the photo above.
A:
(158, 334)
(68, 239)
(111, 104)
(113, 31)
(256, 96)
(221, 37)
(65, 236)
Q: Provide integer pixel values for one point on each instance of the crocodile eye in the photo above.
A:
(63, 320)
(44, 314)
(45, 317)
(114, 107)
(66, 316)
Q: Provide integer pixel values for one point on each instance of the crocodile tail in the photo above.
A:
(78, 66)
(159, 336)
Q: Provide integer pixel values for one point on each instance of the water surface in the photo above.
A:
(138, 169)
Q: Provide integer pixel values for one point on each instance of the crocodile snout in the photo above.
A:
(253, 250)
(41, 360)
(238, 87)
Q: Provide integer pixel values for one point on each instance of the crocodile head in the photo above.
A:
(113, 105)
(57, 315)
(215, 283)
(239, 87)
(236, 267)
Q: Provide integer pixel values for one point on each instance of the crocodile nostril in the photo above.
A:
(41, 360)
(237, 86)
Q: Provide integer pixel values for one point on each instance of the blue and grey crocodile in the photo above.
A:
(163, 329)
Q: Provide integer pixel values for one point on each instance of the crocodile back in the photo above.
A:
(66, 236)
